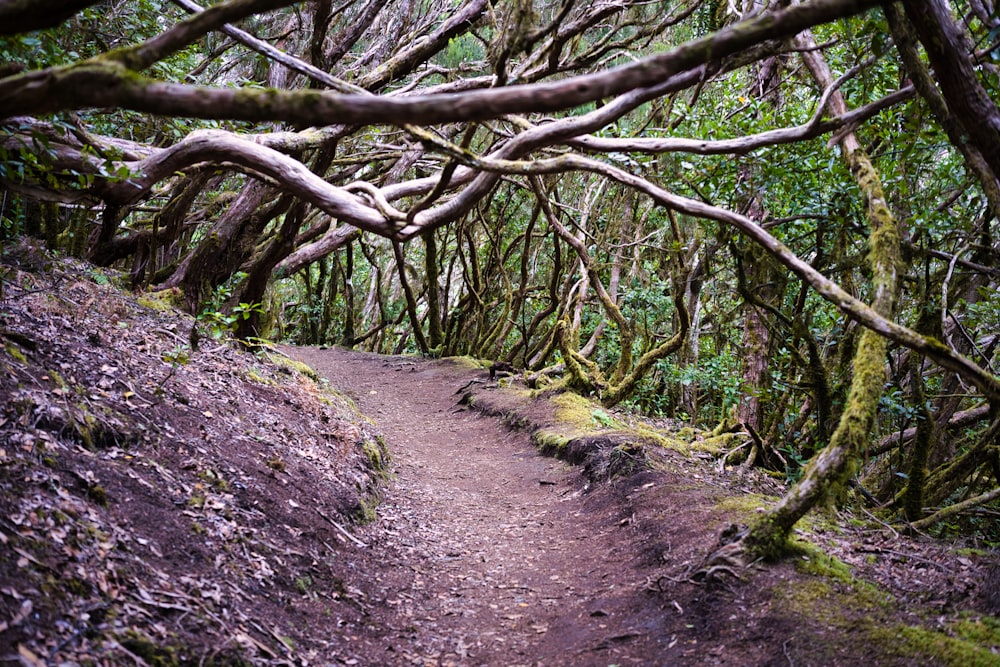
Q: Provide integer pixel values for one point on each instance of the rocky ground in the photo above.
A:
(166, 505)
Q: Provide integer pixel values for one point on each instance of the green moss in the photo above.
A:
(729, 423)
(214, 480)
(84, 427)
(61, 588)
(837, 607)
(578, 412)
(163, 300)
(152, 304)
(303, 583)
(983, 630)
(646, 434)
(377, 453)
(816, 599)
(971, 551)
(367, 510)
(927, 646)
(744, 506)
(157, 654)
(58, 379)
(687, 434)
(470, 362)
(294, 366)
(720, 444)
(551, 442)
(810, 559)
(844, 606)
(152, 653)
(15, 352)
(254, 376)
(98, 494)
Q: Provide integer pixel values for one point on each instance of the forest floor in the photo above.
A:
(165, 505)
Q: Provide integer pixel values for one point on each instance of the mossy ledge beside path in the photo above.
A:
(486, 552)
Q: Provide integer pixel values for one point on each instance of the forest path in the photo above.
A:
(492, 554)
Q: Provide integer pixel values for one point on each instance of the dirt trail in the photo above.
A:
(493, 554)
(488, 553)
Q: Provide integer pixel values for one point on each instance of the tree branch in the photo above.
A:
(17, 16)
(105, 83)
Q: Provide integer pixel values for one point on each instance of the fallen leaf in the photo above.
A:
(29, 658)
(22, 613)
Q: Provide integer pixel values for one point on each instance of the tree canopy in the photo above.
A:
(778, 219)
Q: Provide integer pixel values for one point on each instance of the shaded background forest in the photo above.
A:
(644, 202)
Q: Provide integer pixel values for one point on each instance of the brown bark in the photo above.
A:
(432, 275)
(259, 271)
(26, 15)
(104, 83)
(334, 239)
(905, 41)
(198, 271)
(411, 299)
(949, 48)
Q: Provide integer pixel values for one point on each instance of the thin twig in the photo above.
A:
(339, 527)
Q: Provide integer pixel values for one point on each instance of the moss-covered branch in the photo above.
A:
(18, 16)
(619, 392)
(957, 508)
(110, 83)
(831, 468)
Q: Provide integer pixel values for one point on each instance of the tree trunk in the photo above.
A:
(949, 50)
(411, 300)
(259, 271)
(196, 272)
(431, 275)
(905, 41)
(349, 332)
(768, 535)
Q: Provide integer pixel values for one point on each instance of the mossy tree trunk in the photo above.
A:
(432, 277)
(913, 495)
(259, 271)
(755, 266)
(585, 375)
(948, 47)
(411, 299)
(762, 285)
(199, 270)
(905, 40)
(348, 333)
(832, 467)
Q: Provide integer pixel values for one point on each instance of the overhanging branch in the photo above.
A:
(105, 83)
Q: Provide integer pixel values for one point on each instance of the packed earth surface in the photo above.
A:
(172, 499)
